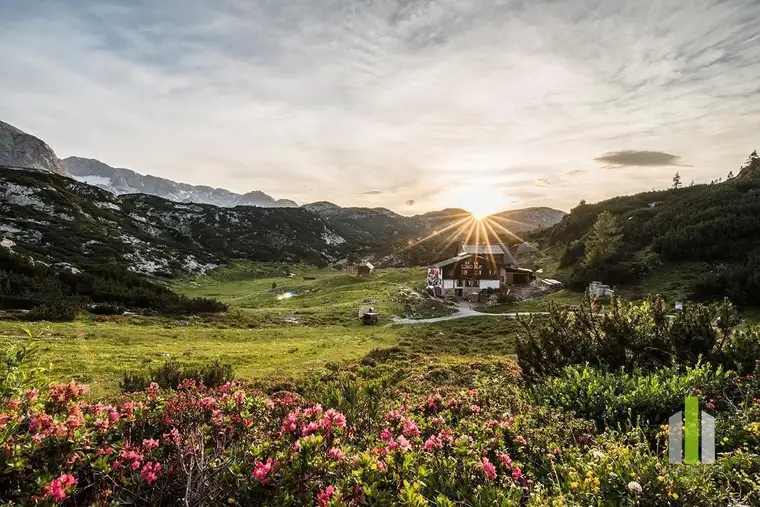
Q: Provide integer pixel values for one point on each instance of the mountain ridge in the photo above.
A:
(120, 180)
(25, 151)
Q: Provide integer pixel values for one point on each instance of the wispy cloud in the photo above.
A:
(639, 158)
(322, 99)
(372, 192)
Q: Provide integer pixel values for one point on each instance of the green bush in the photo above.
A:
(59, 311)
(612, 399)
(16, 372)
(107, 309)
(171, 374)
(627, 335)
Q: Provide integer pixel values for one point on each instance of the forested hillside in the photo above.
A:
(716, 226)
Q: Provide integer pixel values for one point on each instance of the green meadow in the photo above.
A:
(279, 323)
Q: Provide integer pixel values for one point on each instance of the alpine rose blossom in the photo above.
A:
(262, 471)
(324, 496)
(489, 469)
(336, 453)
(58, 488)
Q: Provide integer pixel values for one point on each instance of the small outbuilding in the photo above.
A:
(364, 269)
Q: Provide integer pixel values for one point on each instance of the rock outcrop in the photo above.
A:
(21, 150)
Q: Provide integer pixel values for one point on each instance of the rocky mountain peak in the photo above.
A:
(21, 150)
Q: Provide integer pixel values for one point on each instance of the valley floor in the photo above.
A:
(278, 324)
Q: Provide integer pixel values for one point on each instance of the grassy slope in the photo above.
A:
(252, 336)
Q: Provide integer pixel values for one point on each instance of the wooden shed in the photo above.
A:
(364, 269)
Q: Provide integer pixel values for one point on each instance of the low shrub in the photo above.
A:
(59, 311)
(622, 468)
(443, 435)
(107, 309)
(171, 374)
(626, 335)
(620, 399)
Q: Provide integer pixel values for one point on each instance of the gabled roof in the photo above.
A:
(486, 249)
(448, 262)
(459, 257)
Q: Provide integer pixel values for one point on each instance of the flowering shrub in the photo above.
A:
(387, 435)
(238, 445)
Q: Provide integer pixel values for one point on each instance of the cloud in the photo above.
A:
(372, 192)
(639, 158)
(576, 172)
(541, 182)
(322, 100)
(410, 202)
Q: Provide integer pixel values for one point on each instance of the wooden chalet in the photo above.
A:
(475, 268)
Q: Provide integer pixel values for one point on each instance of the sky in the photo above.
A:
(412, 105)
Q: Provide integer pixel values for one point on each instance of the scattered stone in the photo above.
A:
(370, 301)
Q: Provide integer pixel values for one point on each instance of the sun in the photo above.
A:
(480, 201)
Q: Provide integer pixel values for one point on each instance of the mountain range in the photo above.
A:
(81, 212)
(126, 181)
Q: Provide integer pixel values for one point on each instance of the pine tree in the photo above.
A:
(677, 181)
(730, 175)
(603, 241)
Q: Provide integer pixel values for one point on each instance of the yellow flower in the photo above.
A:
(673, 495)
(574, 485)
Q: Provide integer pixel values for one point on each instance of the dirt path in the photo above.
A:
(464, 311)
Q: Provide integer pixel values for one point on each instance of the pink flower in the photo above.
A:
(489, 469)
(520, 439)
(333, 418)
(386, 435)
(172, 437)
(150, 471)
(516, 473)
(432, 443)
(446, 435)
(262, 471)
(308, 429)
(710, 405)
(434, 402)
(410, 428)
(149, 444)
(58, 488)
(336, 453)
(239, 397)
(152, 391)
(404, 444)
(382, 466)
(475, 409)
(324, 496)
(14, 404)
(315, 410)
(290, 423)
(504, 459)
(32, 394)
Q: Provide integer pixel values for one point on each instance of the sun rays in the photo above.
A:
(469, 228)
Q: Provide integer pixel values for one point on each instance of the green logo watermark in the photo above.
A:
(684, 435)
